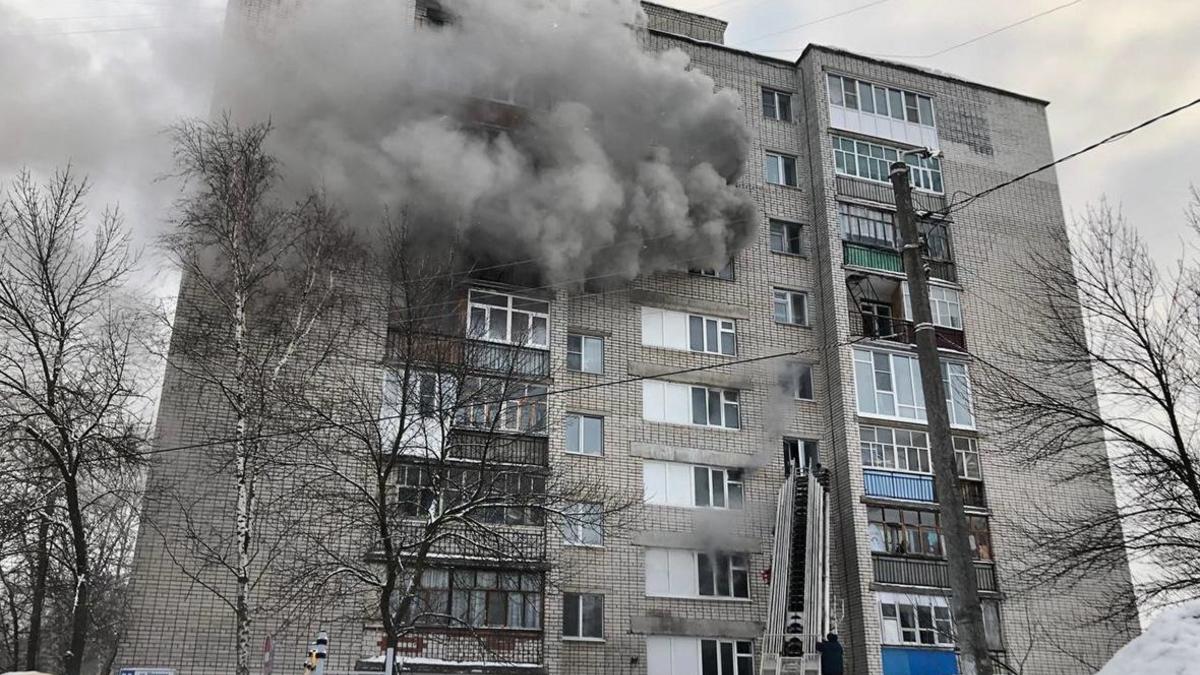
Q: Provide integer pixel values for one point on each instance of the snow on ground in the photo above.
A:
(1171, 646)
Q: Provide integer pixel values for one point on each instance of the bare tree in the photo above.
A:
(1138, 343)
(73, 386)
(260, 282)
(436, 449)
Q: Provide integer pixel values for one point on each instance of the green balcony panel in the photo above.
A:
(872, 258)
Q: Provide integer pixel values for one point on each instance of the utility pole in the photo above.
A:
(964, 599)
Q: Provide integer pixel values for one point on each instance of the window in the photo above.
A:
(845, 92)
(904, 532)
(895, 449)
(677, 655)
(966, 456)
(946, 306)
(725, 272)
(583, 524)
(991, 625)
(583, 615)
(498, 317)
(799, 453)
(478, 598)
(722, 575)
(916, 620)
(781, 169)
(677, 484)
(414, 493)
(867, 226)
(693, 332)
(717, 488)
(503, 406)
(791, 307)
(715, 407)
(785, 237)
(777, 105)
(585, 354)
(726, 657)
(680, 573)
(585, 434)
(715, 336)
(888, 385)
(980, 536)
(798, 379)
(870, 161)
(958, 394)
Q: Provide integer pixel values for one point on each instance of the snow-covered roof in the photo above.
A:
(1170, 646)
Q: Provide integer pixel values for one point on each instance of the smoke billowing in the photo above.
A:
(610, 162)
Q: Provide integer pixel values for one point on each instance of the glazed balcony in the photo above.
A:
(884, 256)
(917, 487)
(497, 544)
(893, 329)
(926, 572)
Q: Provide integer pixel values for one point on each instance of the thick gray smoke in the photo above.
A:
(623, 161)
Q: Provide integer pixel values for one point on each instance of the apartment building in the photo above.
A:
(720, 441)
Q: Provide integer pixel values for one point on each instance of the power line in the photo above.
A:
(817, 21)
(384, 418)
(967, 201)
(977, 38)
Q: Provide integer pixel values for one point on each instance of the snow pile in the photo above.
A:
(1171, 646)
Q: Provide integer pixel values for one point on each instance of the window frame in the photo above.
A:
(581, 434)
(780, 160)
(528, 589)
(870, 161)
(728, 400)
(723, 568)
(790, 234)
(510, 412)
(963, 452)
(798, 372)
(859, 226)
(894, 450)
(888, 99)
(510, 310)
(580, 633)
(939, 626)
(729, 486)
(789, 296)
(575, 527)
(776, 95)
(582, 352)
(801, 452)
(742, 652)
(722, 328)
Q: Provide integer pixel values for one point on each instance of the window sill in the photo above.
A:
(598, 455)
(718, 509)
(784, 186)
(584, 640)
(786, 254)
(688, 425)
(587, 547)
(793, 325)
(582, 372)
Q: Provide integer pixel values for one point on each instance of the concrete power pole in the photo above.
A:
(964, 601)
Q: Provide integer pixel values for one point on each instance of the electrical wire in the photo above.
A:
(816, 21)
(977, 38)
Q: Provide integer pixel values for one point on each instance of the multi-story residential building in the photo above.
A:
(697, 585)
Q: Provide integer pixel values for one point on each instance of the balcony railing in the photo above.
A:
(904, 571)
(893, 329)
(916, 487)
(881, 193)
(494, 543)
(478, 446)
(883, 256)
(457, 650)
(480, 355)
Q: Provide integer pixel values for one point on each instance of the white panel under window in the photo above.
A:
(654, 482)
(664, 328)
(658, 571)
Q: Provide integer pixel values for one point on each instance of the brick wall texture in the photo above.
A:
(987, 136)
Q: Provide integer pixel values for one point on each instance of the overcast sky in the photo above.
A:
(91, 80)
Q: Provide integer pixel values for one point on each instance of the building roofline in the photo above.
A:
(723, 47)
(920, 71)
(723, 22)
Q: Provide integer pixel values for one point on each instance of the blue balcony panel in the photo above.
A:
(898, 485)
(916, 661)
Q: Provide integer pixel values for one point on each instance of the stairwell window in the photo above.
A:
(583, 524)
(785, 237)
(723, 575)
(781, 169)
(957, 384)
(585, 354)
(583, 616)
(715, 408)
(777, 105)
(584, 434)
(790, 307)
